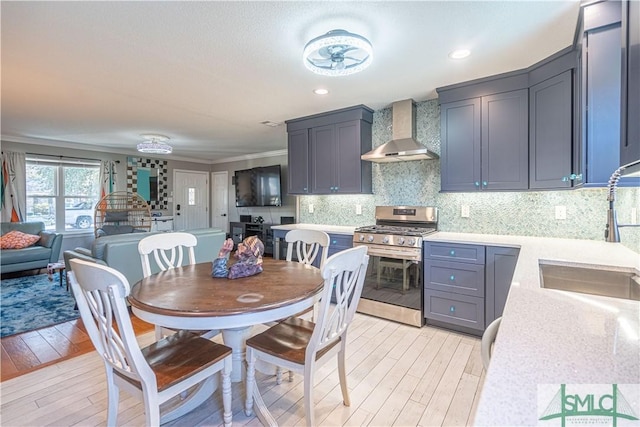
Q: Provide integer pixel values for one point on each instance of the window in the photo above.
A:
(62, 193)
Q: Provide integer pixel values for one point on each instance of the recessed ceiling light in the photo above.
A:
(459, 54)
(321, 91)
(270, 123)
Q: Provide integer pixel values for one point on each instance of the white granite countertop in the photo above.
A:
(549, 337)
(333, 229)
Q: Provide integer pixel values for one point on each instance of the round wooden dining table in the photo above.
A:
(189, 298)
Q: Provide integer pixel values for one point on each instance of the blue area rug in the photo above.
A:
(34, 302)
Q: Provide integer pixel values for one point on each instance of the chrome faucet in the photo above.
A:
(611, 231)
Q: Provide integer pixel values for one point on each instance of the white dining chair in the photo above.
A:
(307, 245)
(488, 338)
(156, 373)
(168, 250)
(303, 346)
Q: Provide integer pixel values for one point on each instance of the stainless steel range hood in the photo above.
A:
(403, 147)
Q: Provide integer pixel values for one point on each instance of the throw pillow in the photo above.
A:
(17, 240)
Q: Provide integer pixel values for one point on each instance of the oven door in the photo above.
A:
(394, 276)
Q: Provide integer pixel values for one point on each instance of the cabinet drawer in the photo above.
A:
(339, 242)
(456, 309)
(457, 277)
(454, 252)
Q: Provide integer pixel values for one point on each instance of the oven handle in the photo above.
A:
(390, 253)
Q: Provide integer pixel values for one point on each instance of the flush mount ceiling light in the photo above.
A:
(321, 91)
(154, 144)
(459, 54)
(338, 53)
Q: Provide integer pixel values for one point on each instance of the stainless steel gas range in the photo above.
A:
(393, 286)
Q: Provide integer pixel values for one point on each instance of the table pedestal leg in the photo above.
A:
(236, 339)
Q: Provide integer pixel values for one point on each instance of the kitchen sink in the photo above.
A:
(593, 280)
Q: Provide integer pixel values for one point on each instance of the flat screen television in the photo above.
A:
(258, 186)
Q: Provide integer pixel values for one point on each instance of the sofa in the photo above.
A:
(120, 251)
(46, 250)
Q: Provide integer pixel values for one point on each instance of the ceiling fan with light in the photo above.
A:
(338, 53)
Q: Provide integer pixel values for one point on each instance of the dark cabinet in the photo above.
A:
(466, 286)
(601, 56)
(298, 158)
(485, 142)
(630, 137)
(242, 230)
(505, 148)
(460, 152)
(325, 150)
(499, 268)
(551, 145)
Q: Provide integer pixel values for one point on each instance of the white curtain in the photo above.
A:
(13, 191)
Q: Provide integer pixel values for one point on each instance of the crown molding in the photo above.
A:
(135, 153)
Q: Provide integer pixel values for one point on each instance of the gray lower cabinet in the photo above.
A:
(499, 268)
(454, 285)
(325, 149)
(466, 286)
(485, 143)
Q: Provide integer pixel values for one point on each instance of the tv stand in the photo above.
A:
(242, 230)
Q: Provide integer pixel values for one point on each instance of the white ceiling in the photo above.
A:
(207, 73)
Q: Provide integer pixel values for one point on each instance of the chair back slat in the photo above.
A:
(168, 250)
(343, 273)
(307, 245)
(100, 292)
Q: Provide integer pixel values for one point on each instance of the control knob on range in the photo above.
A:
(401, 241)
(362, 237)
(385, 239)
(370, 238)
(412, 241)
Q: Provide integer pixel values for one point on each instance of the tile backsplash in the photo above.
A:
(527, 213)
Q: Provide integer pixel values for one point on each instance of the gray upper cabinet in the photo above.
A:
(460, 155)
(630, 138)
(484, 140)
(505, 148)
(550, 133)
(601, 56)
(298, 158)
(326, 149)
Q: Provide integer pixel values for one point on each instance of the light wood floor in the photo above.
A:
(397, 375)
(34, 350)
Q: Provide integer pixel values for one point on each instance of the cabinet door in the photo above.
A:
(298, 157)
(348, 151)
(322, 159)
(550, 137)
(501, 263)
(603, 82)
(630, 143)
(460, 156)
(505, 136)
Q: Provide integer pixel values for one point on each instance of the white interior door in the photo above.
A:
(190, 199)
(220, 200)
